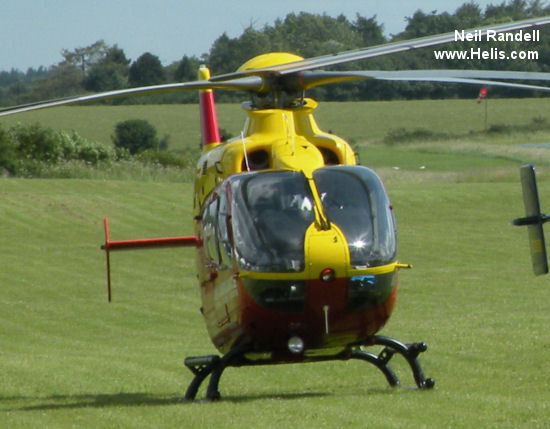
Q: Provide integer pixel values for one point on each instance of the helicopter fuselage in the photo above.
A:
(297, 241)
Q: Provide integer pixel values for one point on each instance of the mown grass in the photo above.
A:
(358, 122)
(427, 135)
(68, 358)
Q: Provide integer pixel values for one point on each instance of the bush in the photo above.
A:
(29, 150)
(137, 135)
(8, 156)
(37, 142)
(183, 159)
(38, 151)
(76, 147)
(402, 135)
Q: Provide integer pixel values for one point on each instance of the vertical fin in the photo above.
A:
(209, 122)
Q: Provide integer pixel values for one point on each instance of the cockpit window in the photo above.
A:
(270, 214)
(271, 211)
(354, 199)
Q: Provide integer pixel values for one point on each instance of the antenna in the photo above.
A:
(245, 154)
(288, 133)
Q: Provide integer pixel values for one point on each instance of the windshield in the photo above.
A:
(270, 214)
(354, 199)
(271, 211)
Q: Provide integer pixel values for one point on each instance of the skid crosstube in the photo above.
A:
(214, 365)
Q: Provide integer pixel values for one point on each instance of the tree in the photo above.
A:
(225, 55)
(137, 135)
(109, 72)
(115, 55)
(146, 70)
(187, 69)
(84, 58)
(310, 35)
(62, 80)
(469, 15)
(370, 31)
(105, 78)
(514, 10)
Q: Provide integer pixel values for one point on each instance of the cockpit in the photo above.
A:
(270, 214)
(271, 211)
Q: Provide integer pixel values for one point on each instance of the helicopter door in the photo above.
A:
(224, 242)
(209, 232)
(216, 241)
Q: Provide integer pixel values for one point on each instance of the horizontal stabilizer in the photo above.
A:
(151, 243)
(145, 243)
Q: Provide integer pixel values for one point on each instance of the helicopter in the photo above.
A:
(296, 242)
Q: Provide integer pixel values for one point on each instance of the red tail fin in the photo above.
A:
(209, 122)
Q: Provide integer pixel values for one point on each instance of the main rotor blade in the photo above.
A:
(471, 74)
(250, 83)
(473, 81)
(379, 50)
(309, 79)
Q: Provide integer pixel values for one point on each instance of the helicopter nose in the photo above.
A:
(326, 254)
(296, 345)
(354, 307)
(327, 275)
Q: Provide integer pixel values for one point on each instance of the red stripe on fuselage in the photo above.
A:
(270, 330)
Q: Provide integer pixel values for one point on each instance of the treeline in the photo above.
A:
(100, 67)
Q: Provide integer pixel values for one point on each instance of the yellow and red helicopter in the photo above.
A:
(295, 242)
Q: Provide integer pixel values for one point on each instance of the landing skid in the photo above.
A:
(214, 365)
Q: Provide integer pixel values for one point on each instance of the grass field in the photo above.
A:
(357, 122)
(70, 359)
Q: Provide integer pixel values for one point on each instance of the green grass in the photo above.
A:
(97, 123)
(455, 140)
(68, 358)
(358, 122)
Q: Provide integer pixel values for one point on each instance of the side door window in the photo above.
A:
(224, 241)
(209, 231)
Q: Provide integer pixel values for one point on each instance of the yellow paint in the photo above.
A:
(267, 60)
(306, 125)
(204, 74)
(289, 136)
(311, 274)
(290, 140)
(326, 249)
(321, 221)
(536, 245)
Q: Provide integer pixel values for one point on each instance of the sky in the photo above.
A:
(34, 32)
